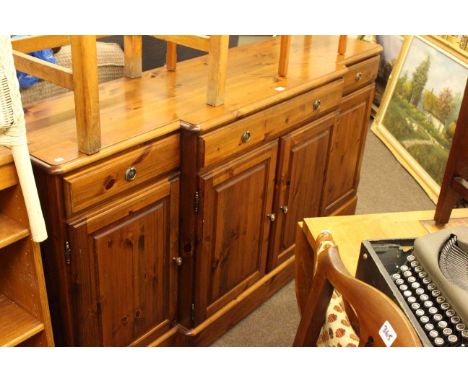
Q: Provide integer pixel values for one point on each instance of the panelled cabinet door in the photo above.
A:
(303, 159)
(123, 274)
(347, 148)
(236, 200)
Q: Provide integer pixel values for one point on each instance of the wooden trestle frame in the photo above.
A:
(83, 77)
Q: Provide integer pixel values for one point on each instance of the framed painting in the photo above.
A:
(420, 106)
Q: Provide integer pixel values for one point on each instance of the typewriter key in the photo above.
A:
(411, 279)
(464, 334)
(426, 280)
(424, 297)
(429, 327)
(422, 274)
(419, 312)
(407, 293)
(396, 276)
(435, 293)
(428, 303)
(452, 339)
(411, 299)
(455, 320)
(447, 331)
(404, 268)
(403, 287)
(431, 286)
(414, 264)
(442, 324)
(418, 269)
(410, 258)
(433, 334)
(439, 341)
(445, 306)
(407, 274)
(419, 291)
(424, 319)
(450, 313)
(460, 327)
(437, 317)
(415, 306)
(433, 310)
(440, 300)
(415, 285)
(399, 281)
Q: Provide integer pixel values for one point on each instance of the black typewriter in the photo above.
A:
(428, 278)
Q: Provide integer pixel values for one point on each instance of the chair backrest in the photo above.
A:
(377, 316)
(455, 183)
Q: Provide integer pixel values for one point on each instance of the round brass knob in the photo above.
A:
(246, 136)
(316, 104)
(284, 209)
(358, 76)
(272, 217)
(130, 174)
(177, 260)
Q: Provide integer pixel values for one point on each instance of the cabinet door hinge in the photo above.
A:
(196, 202)
(67, 253)
(192, 314)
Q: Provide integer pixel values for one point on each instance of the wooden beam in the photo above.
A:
(47, 71)
(342, 44)
(284, 56)
(30, 44)
(196, 42)
(85, 78)
(171, 56)
(133, 56)
(217, 67)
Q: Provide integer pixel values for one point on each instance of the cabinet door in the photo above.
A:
(347, 148)
(124, 279)
(235, 200)
(303, 159)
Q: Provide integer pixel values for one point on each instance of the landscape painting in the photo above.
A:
(422, 111)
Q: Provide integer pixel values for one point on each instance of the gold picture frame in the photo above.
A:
(404, 148)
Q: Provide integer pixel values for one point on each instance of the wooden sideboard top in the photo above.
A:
(134, 111)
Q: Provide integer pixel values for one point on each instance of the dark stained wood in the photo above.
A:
(347, 145)
(235, 200)
(371, 306)
(453, 189)
(301, 172)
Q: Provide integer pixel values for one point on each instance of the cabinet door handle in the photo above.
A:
(272, 217)
(246, 136)
(177, 260)
(284, 209)
(358, 76)
(316, 104)
(130, 174)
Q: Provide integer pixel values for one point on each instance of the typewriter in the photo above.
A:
(428, 278)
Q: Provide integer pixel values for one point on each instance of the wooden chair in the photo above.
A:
(368, 309)
(455, 182)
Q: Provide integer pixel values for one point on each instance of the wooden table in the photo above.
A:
(350, 231)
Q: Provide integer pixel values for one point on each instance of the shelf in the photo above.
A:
(16, 325)
(11, 231)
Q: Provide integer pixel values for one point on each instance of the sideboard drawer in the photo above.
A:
(240, 135)
(361, 74)
(120, 173)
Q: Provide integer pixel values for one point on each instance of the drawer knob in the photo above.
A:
(177, 260)
(316, 104)
(246, 136)
(284, 209)
(358, 76)
(130, 174)
(272, 217)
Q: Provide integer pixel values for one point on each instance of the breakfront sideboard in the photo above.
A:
(184, 221)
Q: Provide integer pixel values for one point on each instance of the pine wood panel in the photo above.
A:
(347, 145)
(11, 231)
(303, 159)
(361, 74)
(236, 199)
(16, 325)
